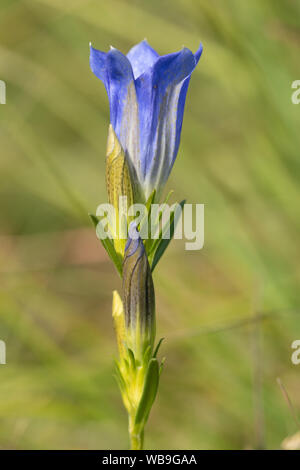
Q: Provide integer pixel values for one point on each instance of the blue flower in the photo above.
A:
(146, 96)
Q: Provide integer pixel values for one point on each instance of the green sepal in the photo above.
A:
(148, 204)
(94, 219)
(119, 378)
(160, 245)
(108, 246)
(149, 393)
(157, 347)
(132, 359)
(154, 242)
(149, 243)
(150, 200)
(147, 354)
(147, 218)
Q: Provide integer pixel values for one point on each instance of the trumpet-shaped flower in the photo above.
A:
(146, 96)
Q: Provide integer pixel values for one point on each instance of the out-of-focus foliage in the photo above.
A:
(229, 312)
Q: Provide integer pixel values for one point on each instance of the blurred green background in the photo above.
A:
(230, 311)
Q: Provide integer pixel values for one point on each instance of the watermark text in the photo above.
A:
(2, 352)
(2, 92)
(296, 94)
(158, 221)
(296, 354)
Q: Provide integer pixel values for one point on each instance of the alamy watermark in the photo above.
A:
(295, 358)
(2, 352)
(2, 92)
(159, 221)
(296, 94)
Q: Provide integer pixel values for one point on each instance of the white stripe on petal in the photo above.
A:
(130, 135)
(165, 141)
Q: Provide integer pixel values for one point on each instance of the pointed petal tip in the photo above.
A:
(142, 56)
(111, 48)
(114, 52)
(198, 53)
(186, 55)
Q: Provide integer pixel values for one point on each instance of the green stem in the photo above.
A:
(136, 437)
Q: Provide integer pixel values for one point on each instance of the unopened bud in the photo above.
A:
(138, 297)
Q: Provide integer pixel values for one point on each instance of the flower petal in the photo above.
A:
(161, 93)
(98, 64)
(115, 71)
(180, 107)
(142, 57)
(147, 96)
(198, 53)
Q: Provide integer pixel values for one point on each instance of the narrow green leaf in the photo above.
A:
(165, 202)
(146, 219)
(147, 355)
(163, 243)
(126, 364)
(163, 230)
(149, 393)
(150, 200)
(152, 243)
(108, 246)
(119, 377)
(132, 358)
(94, 219)
(158, 346)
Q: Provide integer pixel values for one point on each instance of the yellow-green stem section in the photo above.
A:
(136, 438)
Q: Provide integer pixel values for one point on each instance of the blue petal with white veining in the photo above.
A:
(147, 97)
(161, 106)
(142, 57)
(115, 71)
